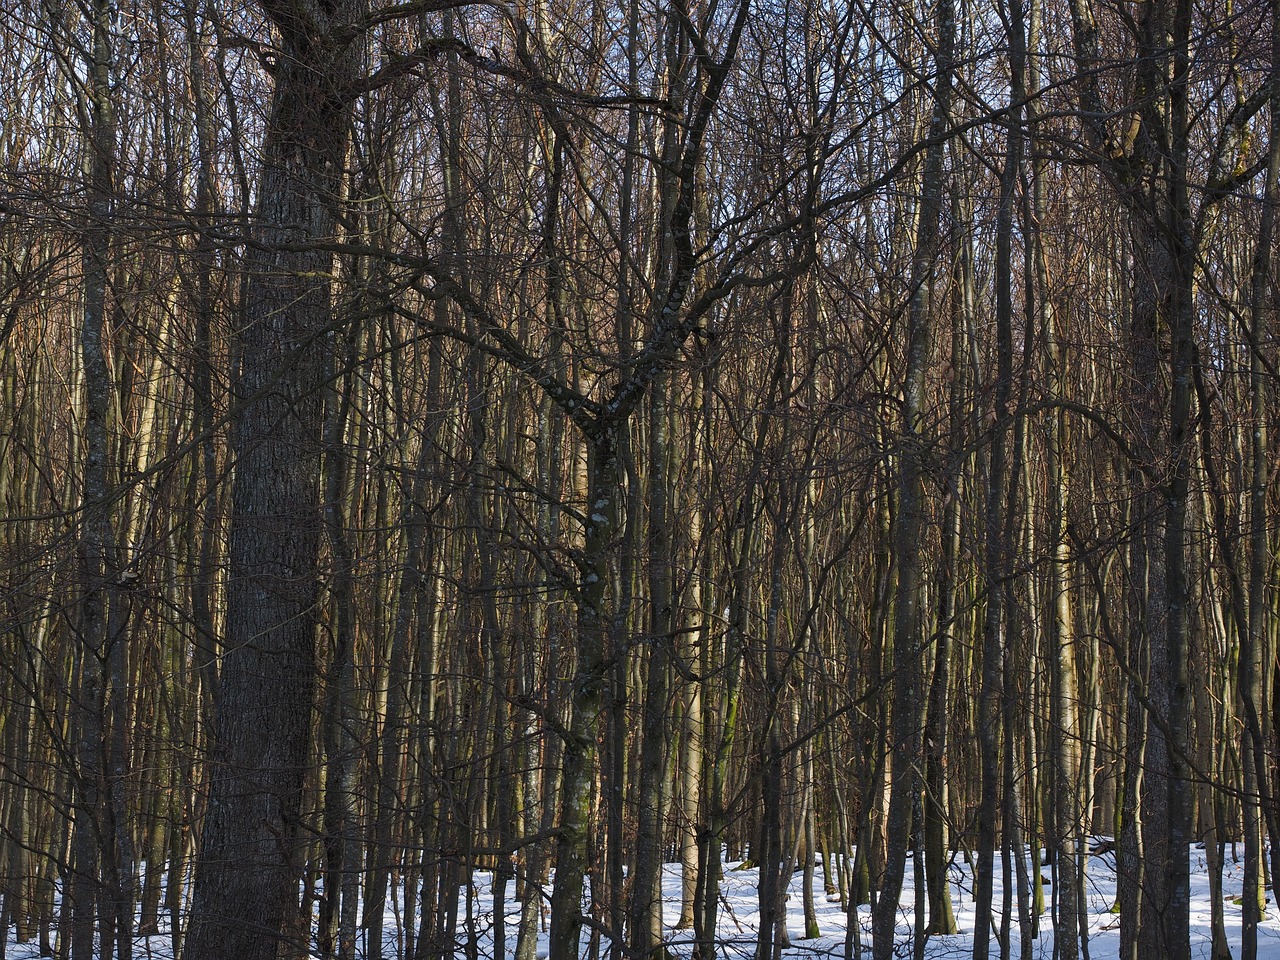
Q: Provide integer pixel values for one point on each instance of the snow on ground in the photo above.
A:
(739, 918)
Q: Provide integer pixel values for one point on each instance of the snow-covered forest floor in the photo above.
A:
(739, 918)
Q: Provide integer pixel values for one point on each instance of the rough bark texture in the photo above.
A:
(1164, 271)
(248, 866)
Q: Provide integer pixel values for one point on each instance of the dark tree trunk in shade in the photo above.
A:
(249, 863)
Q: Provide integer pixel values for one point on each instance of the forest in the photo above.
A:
(570, 442)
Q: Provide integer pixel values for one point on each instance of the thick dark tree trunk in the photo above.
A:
(249, 862)
(1164, 239)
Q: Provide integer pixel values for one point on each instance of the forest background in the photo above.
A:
(557, 438)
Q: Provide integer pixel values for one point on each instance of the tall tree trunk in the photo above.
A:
(695, 632)
(250, 856)
(942, 918)
(589, 683)
(645, 915)
(340, 708)
(1165, 308)
(721, 713)
(998, 523)
(1254, 645)
(100, 595)
(909, 528)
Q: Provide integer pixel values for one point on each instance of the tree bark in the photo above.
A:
(250, 855)
(908, 695)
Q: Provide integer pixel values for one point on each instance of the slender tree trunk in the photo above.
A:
(589, 685)
(1068, 774)
(909, 528)
(695, 633)
(100, 597)
(1254, 645)
(998, 524)
(725, 708)
(340, 710)
(942, 920)
(645, 915)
